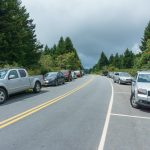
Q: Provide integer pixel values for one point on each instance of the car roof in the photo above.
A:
(144, 72)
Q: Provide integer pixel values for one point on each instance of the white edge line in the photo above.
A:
(129, 116)
(104, 133)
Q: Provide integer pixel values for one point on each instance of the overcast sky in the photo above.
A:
(93, 25)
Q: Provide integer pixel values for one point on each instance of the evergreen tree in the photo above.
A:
(111, 59)
(103, 61)
(18, 41)
(145, 38)
(68, 45)
(117, 61)
(128, 60)
(60, 47)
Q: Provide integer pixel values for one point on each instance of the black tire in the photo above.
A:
(37, 87)
(133, 103)
(3, 95)
(114, 81)
(64, 81)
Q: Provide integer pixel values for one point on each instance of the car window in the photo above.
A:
(144, 78)
(14, 72)
(22, 73)
(3, 73)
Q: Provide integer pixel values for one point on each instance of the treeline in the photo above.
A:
(19, 45)
(61, 56)
(127, 60)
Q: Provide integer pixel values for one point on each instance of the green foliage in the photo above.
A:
(146, 37)
(18, 41)
(103, 61)
(128, 59)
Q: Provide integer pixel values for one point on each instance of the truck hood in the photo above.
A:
(141, 85)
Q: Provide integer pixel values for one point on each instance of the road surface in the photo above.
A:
(90, 113)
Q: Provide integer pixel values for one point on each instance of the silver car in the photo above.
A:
(122, 77)
(140, 91)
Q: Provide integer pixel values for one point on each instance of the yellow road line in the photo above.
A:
(24, 114)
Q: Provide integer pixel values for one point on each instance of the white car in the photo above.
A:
(140, 91)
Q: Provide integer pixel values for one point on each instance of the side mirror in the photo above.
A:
(133, 80)
(11, 77)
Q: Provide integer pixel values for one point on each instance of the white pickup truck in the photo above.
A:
(16, 80)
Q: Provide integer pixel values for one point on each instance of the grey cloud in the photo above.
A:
(94, 25)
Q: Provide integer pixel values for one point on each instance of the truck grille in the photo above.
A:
(148, 93)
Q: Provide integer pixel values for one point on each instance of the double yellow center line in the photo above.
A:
(24, 114)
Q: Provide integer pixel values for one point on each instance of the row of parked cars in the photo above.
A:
(140, 86)
(17, 80)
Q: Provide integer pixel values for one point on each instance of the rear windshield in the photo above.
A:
(53, 74)
(3, 73)
(124, 74)
(144, 78)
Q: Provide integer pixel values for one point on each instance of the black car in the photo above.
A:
(54, 78)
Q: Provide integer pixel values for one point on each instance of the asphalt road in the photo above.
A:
(90, 113)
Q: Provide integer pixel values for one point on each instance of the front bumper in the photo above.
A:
(143, 100)
(49, 83)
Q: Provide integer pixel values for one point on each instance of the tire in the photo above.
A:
(63, 81)
(37, 87)
(114, 81)
(133, 103)
(3, 95)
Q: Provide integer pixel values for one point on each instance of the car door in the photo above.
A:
(59, 77)
(13, 83)
(24, 80)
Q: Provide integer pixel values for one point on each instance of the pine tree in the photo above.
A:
(68, 45)
(128, 59)
(111, 59)
(18, 41)
(103, 61)
(145, 38)
(60, 47)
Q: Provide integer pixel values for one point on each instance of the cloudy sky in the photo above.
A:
(93, 25)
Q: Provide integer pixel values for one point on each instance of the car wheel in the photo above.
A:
(3, 95)
(133, 102)
(114, 81)
(63, 81)
(37, 87)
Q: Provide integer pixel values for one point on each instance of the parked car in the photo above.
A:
(54, 78)
(74, 76)
(105, 73)
(140, 90)
(122, 77)
(110, 74)
(17, 80)
(78, 73)
(67, 75)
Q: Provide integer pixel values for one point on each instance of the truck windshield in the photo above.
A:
(3, 73)
(144, 78)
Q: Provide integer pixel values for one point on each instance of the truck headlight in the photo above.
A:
(142, 91)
